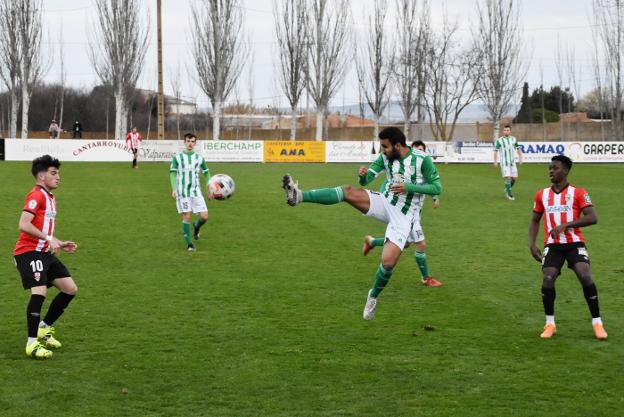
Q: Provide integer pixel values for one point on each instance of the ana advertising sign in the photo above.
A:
(294, 151)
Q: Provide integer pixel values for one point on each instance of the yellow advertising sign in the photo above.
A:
(294, 151)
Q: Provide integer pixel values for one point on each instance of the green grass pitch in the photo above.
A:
(265, 319)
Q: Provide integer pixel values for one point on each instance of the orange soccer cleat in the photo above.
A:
(431, 282)
(549, 331)
(599, 331)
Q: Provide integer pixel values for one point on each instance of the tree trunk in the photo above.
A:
(293, 123)
(25, 108)
(14, 109)
(60, 120)
(119, 114)
(319, 124)
(376, 126)
(406, 128)
(496, 128)
(216, 116)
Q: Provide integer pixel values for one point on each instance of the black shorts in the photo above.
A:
(556, 254)
(39, 268)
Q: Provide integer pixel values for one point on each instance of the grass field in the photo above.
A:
(265, 319)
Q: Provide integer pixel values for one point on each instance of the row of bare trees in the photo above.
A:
(429, 71)
(21, 61)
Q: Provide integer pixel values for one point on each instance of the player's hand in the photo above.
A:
(362, 171)
(536, 253)
(557, 230)
(54, 246)
(174, 194)
(436, 204)
(69, 246)
(398, 188)
(496, 164)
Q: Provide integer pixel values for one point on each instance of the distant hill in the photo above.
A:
(472, 113)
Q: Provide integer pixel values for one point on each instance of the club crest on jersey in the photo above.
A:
(568, 198)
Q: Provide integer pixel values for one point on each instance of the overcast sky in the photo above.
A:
(543, 23)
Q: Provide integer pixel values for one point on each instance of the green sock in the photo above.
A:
(421, 261)
(324, 196)
(199, 223)
(186, 232)
(508, 187)
(382, 276)
(378, 241)
(513, 181)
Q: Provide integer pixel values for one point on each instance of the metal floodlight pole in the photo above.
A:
(161, 101)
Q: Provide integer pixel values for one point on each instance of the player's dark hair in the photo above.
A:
(189, 136)
(506, 126)
(567, 162)
(393, 134)
(418, 143)
(42, 164)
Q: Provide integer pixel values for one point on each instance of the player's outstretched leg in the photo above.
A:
(371, 242)
(295, 196)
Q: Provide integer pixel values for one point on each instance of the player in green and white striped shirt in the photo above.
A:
(507, 146)
(411, 174)
(186, 188)
(417, 238)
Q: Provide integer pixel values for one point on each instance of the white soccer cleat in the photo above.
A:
(369, 308)
(294, 195)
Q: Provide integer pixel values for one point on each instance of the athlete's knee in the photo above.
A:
(387, 264)
(71, 289)
(548, 280)
(203, 215)
(420, 246)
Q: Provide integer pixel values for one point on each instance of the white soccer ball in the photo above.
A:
(221, 186)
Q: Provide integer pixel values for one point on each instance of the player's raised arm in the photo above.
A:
(368, 175)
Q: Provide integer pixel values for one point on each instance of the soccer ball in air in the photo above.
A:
(221, 186)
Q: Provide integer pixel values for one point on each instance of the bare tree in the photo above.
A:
(412, 44)
(451, 82)
(499, 41)
(327, 54)
(559, 66)
(32, 66)
(574, 80)
(10, 59)
(219, 50)
(609, 38)
(63, 77)
(373, 65)
(290, 31)
(118, 53)
(176, 87)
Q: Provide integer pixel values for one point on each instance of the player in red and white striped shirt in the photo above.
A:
(565, 209)
(133, 139)
(34, 258)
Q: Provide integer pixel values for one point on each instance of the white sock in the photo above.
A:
(550, 320)
(596, 320)
(43, 324)
(30, 340)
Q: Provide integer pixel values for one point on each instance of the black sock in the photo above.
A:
(134, 162)
(548, 299)
(33, 313)
(591, 296)
(199, 223)
(57, 306)
(513, 181)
